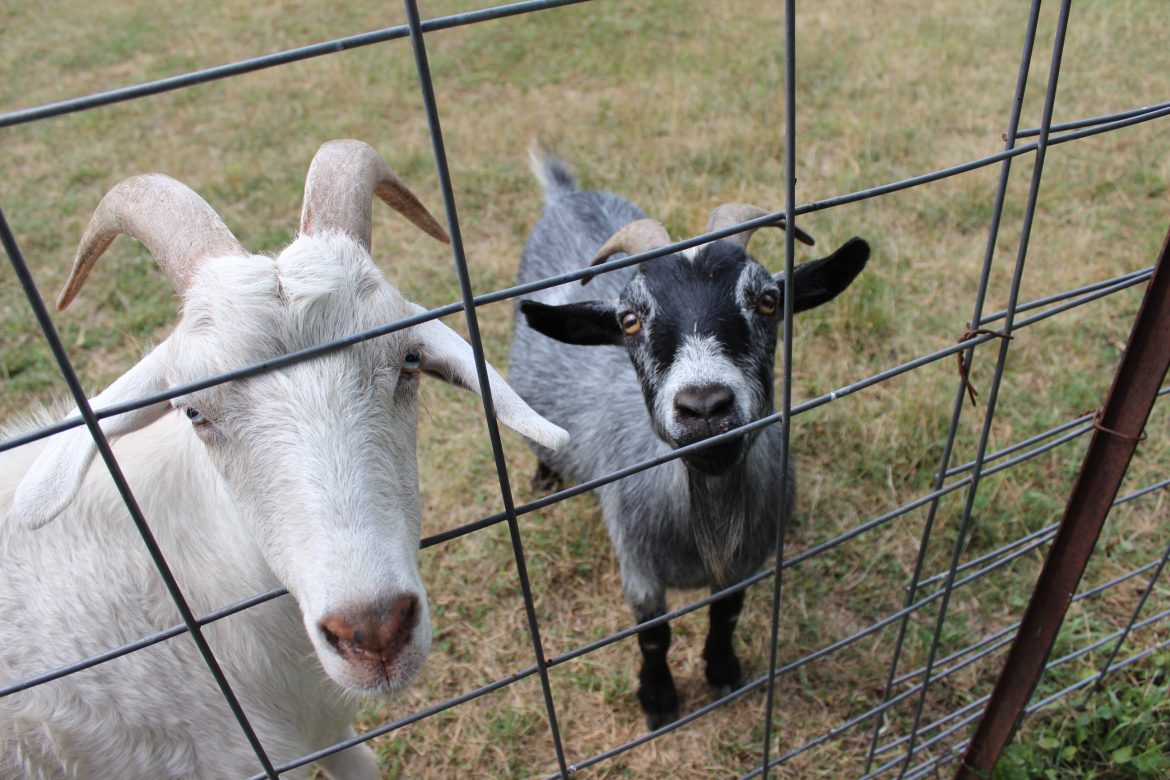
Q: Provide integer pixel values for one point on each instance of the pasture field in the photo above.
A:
(679, 105)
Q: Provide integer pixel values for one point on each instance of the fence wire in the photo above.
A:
(930, 740)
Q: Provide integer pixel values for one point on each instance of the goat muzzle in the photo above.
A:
(376, 636)
(704, 411)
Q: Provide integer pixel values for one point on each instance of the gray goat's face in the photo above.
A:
(701, 329)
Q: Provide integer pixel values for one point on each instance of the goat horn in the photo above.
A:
(168, 217)
(641, 235)
(734, 213)
(339, 188)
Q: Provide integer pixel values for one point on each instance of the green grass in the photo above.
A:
(1121, 733)
(677, 104)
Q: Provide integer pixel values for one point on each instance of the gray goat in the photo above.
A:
(653, 358)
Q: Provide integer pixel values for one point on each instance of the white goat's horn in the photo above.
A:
(340, 187)
(168, 217)
(734, 213)
(641, 235)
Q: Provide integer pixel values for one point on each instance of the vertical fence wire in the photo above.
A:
(786, 352)
(436, 132)
(68, 373)
(969, 357)
(1000, 366)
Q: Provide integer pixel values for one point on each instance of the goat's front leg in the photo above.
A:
(646, 596)
(356, 763)
(723, 672)
(656, 691)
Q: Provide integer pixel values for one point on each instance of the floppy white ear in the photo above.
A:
(56, 475)
(446, 355)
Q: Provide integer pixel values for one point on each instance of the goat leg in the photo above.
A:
(723, 672)
(656, 691)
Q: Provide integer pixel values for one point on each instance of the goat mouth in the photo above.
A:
(716, 459)
(369, 673)
(374, 652)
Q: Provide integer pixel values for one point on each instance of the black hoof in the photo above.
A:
(545, 480)
(660, 706)
(724, 674)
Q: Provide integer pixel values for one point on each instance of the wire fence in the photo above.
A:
(924, 739)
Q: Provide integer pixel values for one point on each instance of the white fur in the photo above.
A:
(305, 476)
(699, 362)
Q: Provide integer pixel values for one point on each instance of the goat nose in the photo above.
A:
(705, 402)
(375, 635)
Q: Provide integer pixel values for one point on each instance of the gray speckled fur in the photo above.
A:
(594, 393)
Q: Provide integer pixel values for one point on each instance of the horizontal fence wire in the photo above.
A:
(926, 591)
(1031, 540)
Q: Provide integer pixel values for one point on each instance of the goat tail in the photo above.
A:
(551, 171)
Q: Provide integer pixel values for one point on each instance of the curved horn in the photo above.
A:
(339, 188)
(641, 235)
(734, 213)
(175, 224)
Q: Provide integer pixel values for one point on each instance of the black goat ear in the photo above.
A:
(823, 280)
(588, 323)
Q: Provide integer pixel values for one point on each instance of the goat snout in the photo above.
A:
(374, 636)
(709, 403)
(702, 411)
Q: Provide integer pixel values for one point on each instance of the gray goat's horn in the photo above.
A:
(641, 235)
(339, 188)
(176, 225)
(734, 213)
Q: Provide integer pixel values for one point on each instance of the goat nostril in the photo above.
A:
(378, 633)
(330, 628)
(704, 403)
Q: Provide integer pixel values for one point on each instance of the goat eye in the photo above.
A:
(766, 303)
(630, 323)
(195, 416)
(412, 362)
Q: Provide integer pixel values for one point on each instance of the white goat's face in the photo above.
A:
(320, 456)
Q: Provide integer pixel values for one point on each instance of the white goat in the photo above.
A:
(305, 476)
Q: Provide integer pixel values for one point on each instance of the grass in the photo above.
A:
(679, 105)
(1119, 734)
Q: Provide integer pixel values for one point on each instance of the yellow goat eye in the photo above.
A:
(766, 304)
(630, 323)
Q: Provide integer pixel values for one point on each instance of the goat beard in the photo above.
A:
(719, 522)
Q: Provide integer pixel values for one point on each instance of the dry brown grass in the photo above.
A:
(678, 105)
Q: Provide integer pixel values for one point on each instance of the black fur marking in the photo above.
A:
(823, 280)
(723, 670)
(697, 297)
(546, 479)
(588, 323)
(656, 692)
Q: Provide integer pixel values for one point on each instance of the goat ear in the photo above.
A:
(588, 324)
(822, 280)
(56, 475)
(446, 355)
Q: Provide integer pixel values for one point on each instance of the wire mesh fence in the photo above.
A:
(928, 648)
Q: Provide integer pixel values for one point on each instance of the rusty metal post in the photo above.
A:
(1118, 431)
